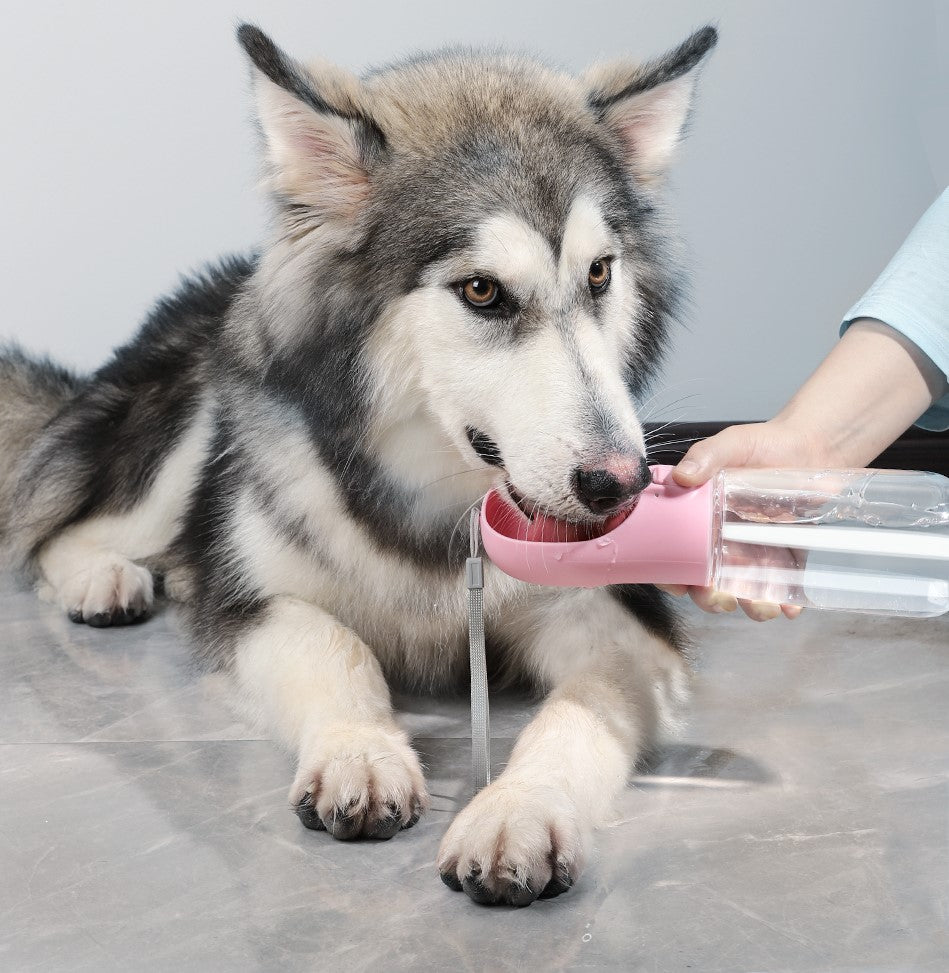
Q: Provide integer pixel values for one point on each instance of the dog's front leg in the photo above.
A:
(527, 834)
(321, 688)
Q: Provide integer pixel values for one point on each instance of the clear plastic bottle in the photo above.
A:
(872, 541)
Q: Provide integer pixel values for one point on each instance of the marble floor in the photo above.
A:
(801, 821)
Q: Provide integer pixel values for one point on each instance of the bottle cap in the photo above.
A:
(665, 539)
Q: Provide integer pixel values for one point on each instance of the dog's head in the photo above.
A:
(495, 229)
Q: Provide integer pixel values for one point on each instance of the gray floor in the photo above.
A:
(800, 823)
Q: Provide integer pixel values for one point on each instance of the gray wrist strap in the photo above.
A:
(480, 727)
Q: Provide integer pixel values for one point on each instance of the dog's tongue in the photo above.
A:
(545, 528)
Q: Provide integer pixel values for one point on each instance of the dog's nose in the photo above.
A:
(606, 487)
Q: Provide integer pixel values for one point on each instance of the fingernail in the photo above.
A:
(723, 603)
(688, 467)
(765, 611)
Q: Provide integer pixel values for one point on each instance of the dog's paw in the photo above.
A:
(513, 844)
(360, 783)
(108, 589)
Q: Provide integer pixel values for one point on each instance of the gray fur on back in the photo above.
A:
(32, 392)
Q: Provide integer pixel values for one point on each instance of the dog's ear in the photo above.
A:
(646, 106)
(319, 141)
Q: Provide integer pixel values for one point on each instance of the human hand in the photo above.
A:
(755, 444)
(871, 386)
(761, 444)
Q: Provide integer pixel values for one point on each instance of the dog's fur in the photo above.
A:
(292, 441)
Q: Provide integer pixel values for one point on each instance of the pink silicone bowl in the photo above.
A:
(666, 539)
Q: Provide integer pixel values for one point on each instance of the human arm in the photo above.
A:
(874, 384)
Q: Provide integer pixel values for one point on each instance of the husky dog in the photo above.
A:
(468, 284)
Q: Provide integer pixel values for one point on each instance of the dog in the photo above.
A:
(468, 284)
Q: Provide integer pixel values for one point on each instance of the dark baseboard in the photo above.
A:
(916, 449)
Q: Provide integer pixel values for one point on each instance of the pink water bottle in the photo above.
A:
(874, 541)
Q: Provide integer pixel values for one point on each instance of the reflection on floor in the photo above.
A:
(801, 822)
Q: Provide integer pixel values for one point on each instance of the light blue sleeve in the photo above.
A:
(912, 297)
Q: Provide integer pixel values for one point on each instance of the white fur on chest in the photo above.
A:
(415, 620)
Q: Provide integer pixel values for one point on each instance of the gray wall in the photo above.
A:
(821, 134)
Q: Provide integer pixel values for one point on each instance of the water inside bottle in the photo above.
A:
(873, 541)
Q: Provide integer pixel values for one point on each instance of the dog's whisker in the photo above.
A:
(643, 408)
(449, 476)
(658, 429)
(664, 444)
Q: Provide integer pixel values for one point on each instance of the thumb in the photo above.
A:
(731, 447)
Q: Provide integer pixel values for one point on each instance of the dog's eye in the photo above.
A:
(599, 276)
(481, 292)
